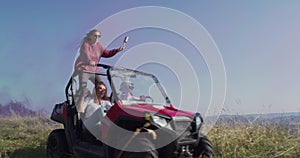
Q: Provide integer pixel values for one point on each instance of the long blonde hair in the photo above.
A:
(86, 37)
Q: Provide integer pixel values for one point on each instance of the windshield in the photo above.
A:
(133, 87)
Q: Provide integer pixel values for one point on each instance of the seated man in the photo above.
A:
(93, 110)
(126, 92)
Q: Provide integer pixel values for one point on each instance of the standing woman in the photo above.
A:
(91, 51)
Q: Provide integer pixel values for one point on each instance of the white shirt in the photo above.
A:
(90, 107)
(93, 114)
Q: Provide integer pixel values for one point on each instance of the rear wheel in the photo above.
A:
(57, 144)
(204, 149)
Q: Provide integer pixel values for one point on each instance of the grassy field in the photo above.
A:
(259, 140)
(26, 138)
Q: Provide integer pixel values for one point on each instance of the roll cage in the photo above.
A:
(144, 83)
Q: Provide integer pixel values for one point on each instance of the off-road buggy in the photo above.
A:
(149, 127)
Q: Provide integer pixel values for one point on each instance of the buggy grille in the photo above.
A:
(182, 125)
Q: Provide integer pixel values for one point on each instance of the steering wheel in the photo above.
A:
(149, 99)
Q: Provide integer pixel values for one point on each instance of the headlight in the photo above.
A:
(160, 121)
(197, 122)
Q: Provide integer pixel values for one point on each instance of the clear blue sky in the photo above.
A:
(258, 42)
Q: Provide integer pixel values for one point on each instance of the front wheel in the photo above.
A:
(204, 149)
(57, 144)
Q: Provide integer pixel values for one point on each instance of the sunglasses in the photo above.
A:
(97, 36)
(100, 89)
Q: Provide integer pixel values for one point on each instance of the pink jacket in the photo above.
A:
(93, 53)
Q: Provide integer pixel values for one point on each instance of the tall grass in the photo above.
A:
(27, 137)
(24, 136)
(256, 140)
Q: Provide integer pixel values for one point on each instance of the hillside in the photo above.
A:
(16, 108)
